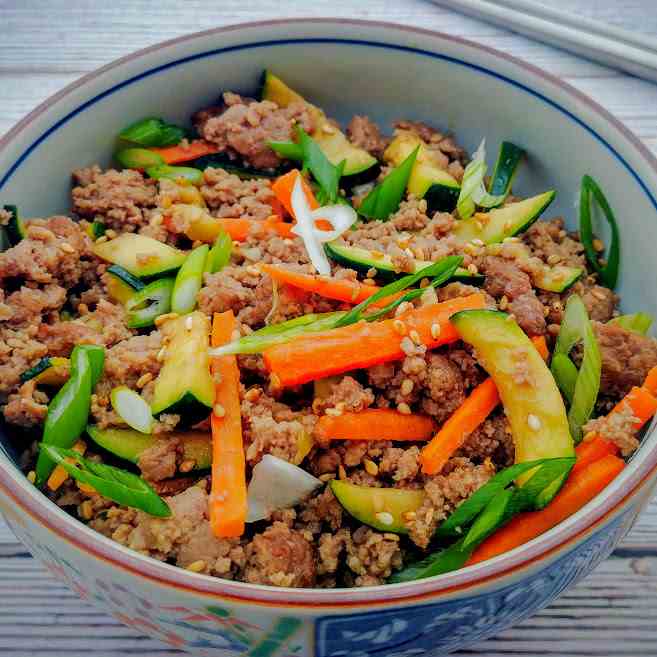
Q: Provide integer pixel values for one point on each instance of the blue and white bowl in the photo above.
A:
(388, 72)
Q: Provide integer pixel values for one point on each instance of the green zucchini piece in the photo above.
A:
(121, 284)
(139, 158)
(184, 384)
(129, 444)
(15, 229)
(428, 180)
(637, 322)
(363, 260)
(381, 508)
(96, 229)
(331, 140)
(49, 371)
(147, 304)
(142, 256)
(557, 278)
(190, 174)
(506, 168)
(500, 223)
(189, 281)
(532, 403)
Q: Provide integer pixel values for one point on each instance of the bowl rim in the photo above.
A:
(498, 570)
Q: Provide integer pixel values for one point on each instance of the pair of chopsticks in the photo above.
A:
(595, 40)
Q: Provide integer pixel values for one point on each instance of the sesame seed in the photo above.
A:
(472, 268)
(252, 394)
(371, 467)
(404, 408)
(187, 465)
(504, 302)
(469, 249)
(399, 327)
(369, 282)
(334, 412)
(110, 233)
(415, 336)
(161, 354)
(328, 129)
(406, 387)
(377, 255)
(409, 253)
(424, 283)
(391, 537)
(189, 322)
(196, 566)
(372, 272)
(598, 245)
(86, 510)
(288, 242)
(385, 518)
(533, 422)
(219, 410)
(561, 234)
(342, 473)
(144, 379)
(31, 476)
(553, 259)
(67, 248)
(407, 346)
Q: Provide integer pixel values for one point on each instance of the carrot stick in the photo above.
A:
(310, 357)
(240, 228)
(576, 492)
(467, 417)
(326, 286)
(650, 384)
(227, 506)
(541, 346)
(374, 424)
(59, 475)
(177, 154)
(589, 451)
(642, 403)
(283, 186)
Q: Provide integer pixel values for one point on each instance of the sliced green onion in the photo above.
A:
(96, 229)
(488, 520)
(191, 175)
(118, 485)
(219, 255)
(189, 281)
(542, 486)
(326, 174)
(576, 327)
(565, 374)
(139, 158)
(384, 199)
(145, 305)
(153, 132)
(287, 149)
(506, 168)
(132, 409)
(96, 355)
(439, 563)
(637, 322)
(609, 272)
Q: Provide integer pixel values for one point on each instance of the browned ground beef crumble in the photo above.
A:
(318, 544)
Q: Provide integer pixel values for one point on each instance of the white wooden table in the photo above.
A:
(46, 45)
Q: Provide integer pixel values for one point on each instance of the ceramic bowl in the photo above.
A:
(388, 72)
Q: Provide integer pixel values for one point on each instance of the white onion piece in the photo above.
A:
(340, 216)
(277, 484)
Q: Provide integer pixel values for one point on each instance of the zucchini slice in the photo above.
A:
(145, 305)
(428, 180)
(557, 278)
(532, 402)
(15, 229)
(129, 444)
(184, 384)
(49, 371)
(381, 508)
(505, 169)
(500, 223)
(363, 260)
(121, 284)
(331, 140)
(142, 256)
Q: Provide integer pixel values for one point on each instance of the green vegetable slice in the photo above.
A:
(439, 563)
(116, 484)
(385, 198)
(150, 302)
(506, 168)
(326, 174)
(153, 132)
(139, 158)
(15, 230)
(219, 255)
(637, 322)
(609, 272)
(488, 520)
(287, 149)
(189, 281)
(576, 327)
(194, 176)
(132, 409)
(565, 374)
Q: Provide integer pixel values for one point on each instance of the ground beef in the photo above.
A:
(347, 394)
(229, 196)
(403, 465)
(28, 407)
(550, 242)
(245, 126)
(31, 305)
(52, 252)
(159, 461)
(280, 556)
(444, 492)
(321, 511)
(411, 215)
(373, 556)
(617, 427)
(19, 350)
(365, 134)
(627, 358)
(600, 301)
(120, 199)
(330, 547)
(493, 440)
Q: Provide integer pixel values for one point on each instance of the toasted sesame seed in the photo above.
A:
(253, 394)
(187, 465)
(385, 518)
(189, 322)
(144, 379)
(219, 410)
(469, 249)
(371, 467)
(369, 282)
(196, 566)
(372, 272)
(406, 387)
(161, 354)
(288, 242)
(377, 255)
(111, 233)
(334, 412)
(472, 268)
(415, 336)
(407, 346)
(553, 259)
(422, 205)
(31, 476)
(598, 245)
(602, 262)
(391, 537)
(253, 271)
(86, 510)
(328, 128)
(533, 422)
(409, 515)
(67, 248)
(562, 233)
(435, 330)
(504, 302)
(424, 282)
(399, 327)
(342, 473)
(404, 408)
(546, 311)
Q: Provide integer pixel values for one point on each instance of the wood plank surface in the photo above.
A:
(47, 44)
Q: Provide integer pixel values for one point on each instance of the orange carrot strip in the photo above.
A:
(541, 346)
(177, 154)
(326, 286)
(467, 417)
(240, 228)
(589, 451)
(374, 424)
(59, 475)
(360, 345)
(227, 506)
(642, 403)
(650, 383)
(576, 492)
(283, 186)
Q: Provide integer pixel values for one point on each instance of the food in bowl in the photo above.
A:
(268, 350)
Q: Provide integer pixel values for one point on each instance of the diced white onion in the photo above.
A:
(473, 191)
(277, 484)
(132, 408)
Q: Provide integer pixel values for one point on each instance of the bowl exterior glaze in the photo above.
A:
(347, 67)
